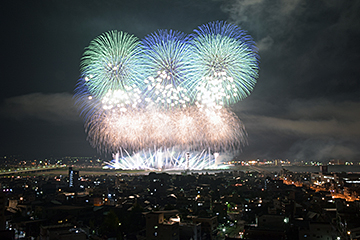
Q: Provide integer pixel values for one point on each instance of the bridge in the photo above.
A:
(33, 170)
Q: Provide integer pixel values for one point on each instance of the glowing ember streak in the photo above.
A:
(136, 129)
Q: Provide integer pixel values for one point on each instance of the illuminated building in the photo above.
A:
(73, 178)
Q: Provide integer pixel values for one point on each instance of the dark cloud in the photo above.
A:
(299, 128)
(57, 108)
(313, 118)
(307, 48)
(42, 125)
(324, 149)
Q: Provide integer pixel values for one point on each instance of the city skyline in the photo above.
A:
(304, 106)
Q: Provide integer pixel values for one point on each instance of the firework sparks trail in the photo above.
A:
(158, 159)
(189, 130)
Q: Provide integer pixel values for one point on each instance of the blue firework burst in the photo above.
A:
(169, 67)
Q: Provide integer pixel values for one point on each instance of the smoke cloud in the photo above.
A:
(57, 108)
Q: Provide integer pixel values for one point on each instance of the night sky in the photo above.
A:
(305, 106)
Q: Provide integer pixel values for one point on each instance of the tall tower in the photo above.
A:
(187, 160)
(71, 177)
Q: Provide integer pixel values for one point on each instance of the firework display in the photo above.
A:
(169, 63)
(226, 63)
(112, 61)
(168, 91)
